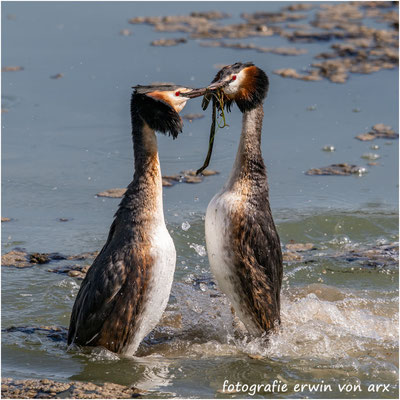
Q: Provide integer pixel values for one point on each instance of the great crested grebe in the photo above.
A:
(243, 245)
(128, 285)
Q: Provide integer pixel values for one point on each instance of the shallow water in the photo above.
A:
(65, 140)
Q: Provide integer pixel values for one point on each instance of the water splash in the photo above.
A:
(185, 226)
(199, 249)
(320, 323)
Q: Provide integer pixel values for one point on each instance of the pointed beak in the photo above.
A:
(194, 93)
(201, 92)
(216, 85)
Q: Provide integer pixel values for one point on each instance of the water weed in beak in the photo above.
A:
(218, 96)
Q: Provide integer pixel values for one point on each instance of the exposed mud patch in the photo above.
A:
(48, 389)
(342, 169)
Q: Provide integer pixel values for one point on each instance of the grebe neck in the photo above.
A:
(144, 193)
(249, 164)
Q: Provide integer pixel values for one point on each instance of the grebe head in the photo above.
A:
(159, 106)
(243, 83)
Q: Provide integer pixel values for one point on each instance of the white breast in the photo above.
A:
(220, 252)
(218, 242)
(217, 235)
(162, 274)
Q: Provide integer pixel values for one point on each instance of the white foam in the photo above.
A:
(319, 322)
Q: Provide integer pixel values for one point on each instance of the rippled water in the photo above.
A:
(65, 140)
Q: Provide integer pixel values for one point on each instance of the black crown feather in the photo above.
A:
(159, 115)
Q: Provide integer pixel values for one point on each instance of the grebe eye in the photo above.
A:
(177, 93)
(233, 77)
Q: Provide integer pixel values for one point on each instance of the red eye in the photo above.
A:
(233, 77)
(177, 93)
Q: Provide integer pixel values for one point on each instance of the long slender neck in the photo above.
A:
(145, 149)
(144, 194)
(249, 164)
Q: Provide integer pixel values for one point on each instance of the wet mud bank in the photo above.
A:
(49, 389)
(358, 47)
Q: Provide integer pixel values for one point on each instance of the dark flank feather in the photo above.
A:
(112, 293)
(258, 263)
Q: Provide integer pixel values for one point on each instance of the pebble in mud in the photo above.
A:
(167, 182)
(291, 256)
(381, 256)
(329, 148)
(193, 179)
(206, 172)
(12, 69)
(113, 193)
(210, 14)
(209, 172)
(46, 388)
(168, 42)
(299, 246)
(83, 256)
(76, 270)
(292, 73)
(334, 70)
(256, 356)
(342, 169)
(73, 271)
(15, 258)
(19, 258)
(371, 156)
(286, 51)
(39, 258)
(299, 7)
(260, 17)
(365, 137)
(190, 176)
(381, 131)
(57, 76)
